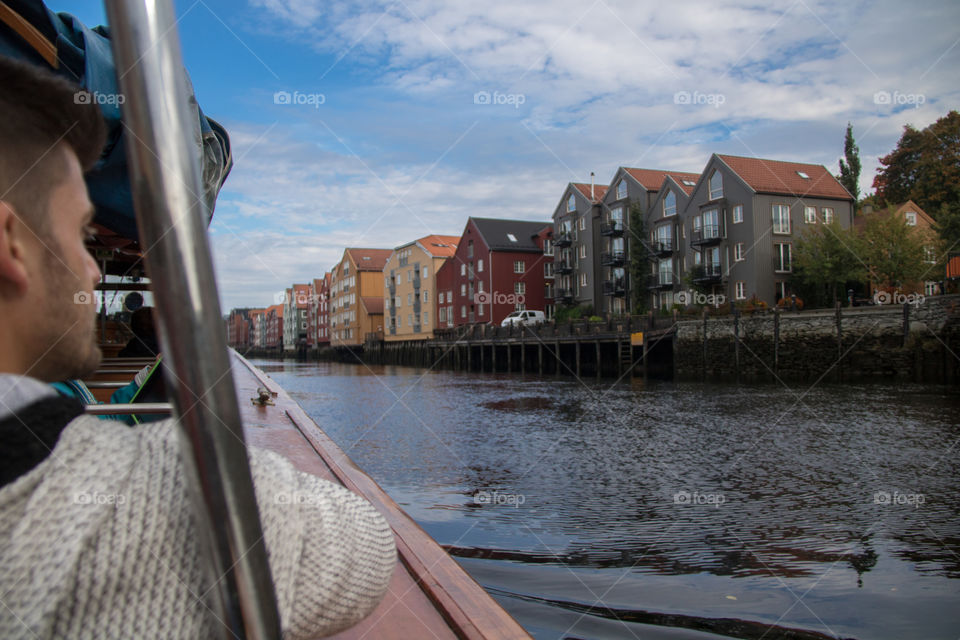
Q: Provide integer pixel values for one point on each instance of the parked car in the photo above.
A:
(524, 318)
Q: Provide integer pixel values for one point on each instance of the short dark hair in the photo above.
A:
(38, 112)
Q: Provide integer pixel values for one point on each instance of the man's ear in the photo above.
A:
(13, 270)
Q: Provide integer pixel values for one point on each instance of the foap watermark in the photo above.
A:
(498, 297)
(711, 499)
(297, 298)
(697, 98)
(896, 99)
(97, 498)
(84, 297)
(497, 98)
(299, 99)
(695, 297)
(87, 97)
(896, 297)
(495, 497)
(910, 499)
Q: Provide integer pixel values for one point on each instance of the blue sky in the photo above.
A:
(384, 141)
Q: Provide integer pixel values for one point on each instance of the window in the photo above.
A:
(665, 269)
(480, 308)
(449, 297)
(911, 217)
(696, 223)
(738, 252)
(426, 296)
(463, 311)
(520, 288)
(664, 235)
(810, 215)
(803, 175)
(582, 223)
(511, 237)
(931, 288)
(716, 185)
(669, 204)
(463, 268)
(781, 218)
(622, 190)
(828, 215)
(409, 298)
(399, 321)
(711, 223)
(572, 203)
(463, 290)
(616, 245)
(426, 317)
(479, 286)
(547, 247)
(583, 280)
(519, 266)
(443, 315)
(441, 297)
(616, 215)
(582, 252)
(426, 270)
(929, 255)
(738, 214)
(410, 320)
(399, 301)
(781, 257)
(547, 269)
(520, 306)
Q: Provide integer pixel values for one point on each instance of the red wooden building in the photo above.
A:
(500, 266)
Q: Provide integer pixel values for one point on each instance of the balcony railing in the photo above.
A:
(707, 273)
(563, 267)
(611, 228)
(615, 287)
(662, 280)
(662, 247)
(612, 258)
(705, 236)
(416, 282)
(564, 296)
(563, 240)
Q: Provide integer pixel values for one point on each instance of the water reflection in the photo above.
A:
(766, 489)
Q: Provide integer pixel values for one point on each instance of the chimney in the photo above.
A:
(592, 198)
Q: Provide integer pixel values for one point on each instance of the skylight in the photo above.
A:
(690, 183)
(366, 257)
(512, 237)
(803, 175)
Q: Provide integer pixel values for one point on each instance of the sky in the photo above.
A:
(372, 123)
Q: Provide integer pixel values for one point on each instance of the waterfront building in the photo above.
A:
(295, 305)
(318, 311)
(634, 188)
(499, 266)
(409, 281)
(238, 328)
(576, 241)
(274, 327)
(256, 328)
(356, 296)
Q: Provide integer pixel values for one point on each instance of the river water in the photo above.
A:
(593, 509)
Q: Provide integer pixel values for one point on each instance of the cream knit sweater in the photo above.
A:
(99, 541)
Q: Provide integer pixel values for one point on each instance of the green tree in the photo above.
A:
(827, 254)
(924, 167)
(850, 170)
(639, 260)
(893, 251)
(948, 225)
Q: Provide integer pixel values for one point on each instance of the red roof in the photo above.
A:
(370, 259)
(277, 309)
(373, 304)
(775, 176)
(652, 179)
(440, 246)
(598, 190)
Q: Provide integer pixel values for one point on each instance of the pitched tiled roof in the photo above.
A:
(775, 176)
(373, 304)
(440, 246)
(277, 308)
(495, 233)
(370, 259)
(598, 190)
(652, 179)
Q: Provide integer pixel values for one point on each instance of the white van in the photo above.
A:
(523, 318)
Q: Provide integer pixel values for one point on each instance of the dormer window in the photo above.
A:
(911, 218)
(716, 185)
(622, 190)
(572, 203)
(670, 204)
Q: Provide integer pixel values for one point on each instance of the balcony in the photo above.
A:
(416, 306)
(707, 236)
(611, 228)
(416, 282)
(662, 280)
(563, 240)
(613, 258)
(393, 288)
(563, 268)
(662, 248)
(615, 287)
(564, 296)
(707, 273)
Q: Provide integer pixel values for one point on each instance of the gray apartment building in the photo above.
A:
(576, 224)
(629, 186)
(733, 232)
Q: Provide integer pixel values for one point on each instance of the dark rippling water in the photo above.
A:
(669, 510)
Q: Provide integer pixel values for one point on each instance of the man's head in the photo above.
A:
(48, 139)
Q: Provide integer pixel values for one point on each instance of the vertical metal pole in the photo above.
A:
(171, 217)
